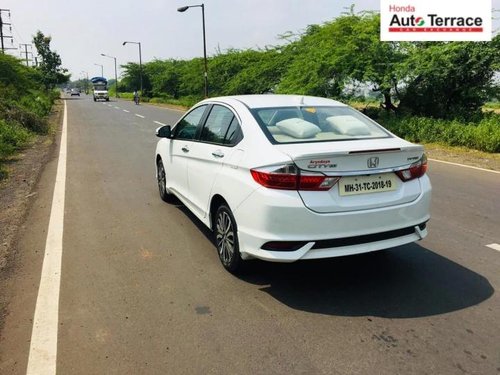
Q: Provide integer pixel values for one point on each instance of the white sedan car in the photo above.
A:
(284, 177)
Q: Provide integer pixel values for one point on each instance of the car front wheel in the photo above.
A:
(226, 239)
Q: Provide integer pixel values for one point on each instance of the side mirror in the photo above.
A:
(164, 132)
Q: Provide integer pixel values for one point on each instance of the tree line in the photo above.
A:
(339, 59)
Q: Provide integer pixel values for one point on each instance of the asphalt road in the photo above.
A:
(143, 292)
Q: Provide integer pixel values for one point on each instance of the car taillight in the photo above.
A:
(289, 177)
(416, 170)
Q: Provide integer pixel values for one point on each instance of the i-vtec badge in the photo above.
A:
(372, 162)
(321, 164)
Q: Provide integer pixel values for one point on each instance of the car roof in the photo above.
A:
(273, 100)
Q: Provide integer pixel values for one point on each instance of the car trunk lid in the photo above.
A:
(366, 170)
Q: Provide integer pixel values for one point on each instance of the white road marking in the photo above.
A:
(117, 107)
(126, 111)
(43, 348)
(465, 166)
(139, 115)
(494, 246)
(109, 105)
(159, 123)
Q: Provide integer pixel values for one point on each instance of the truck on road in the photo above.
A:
(100, 91)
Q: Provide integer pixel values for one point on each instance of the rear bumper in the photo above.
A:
(269, 215)
(310, 250)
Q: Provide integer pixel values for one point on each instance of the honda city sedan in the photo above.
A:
(284, 178)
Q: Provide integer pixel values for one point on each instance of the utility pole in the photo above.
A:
(140, 59)
(2, 36)
(116, 74)
(26, 51)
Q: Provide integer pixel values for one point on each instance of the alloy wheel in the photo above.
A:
(225, 237)
(161, 178)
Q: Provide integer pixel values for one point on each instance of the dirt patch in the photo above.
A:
(17, 191)
(464, 156)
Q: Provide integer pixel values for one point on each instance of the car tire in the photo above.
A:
(161, 178)
(226, 239)
(95, 100)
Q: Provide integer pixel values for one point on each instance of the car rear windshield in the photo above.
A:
(316, 124)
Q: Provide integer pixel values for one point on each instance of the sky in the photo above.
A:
(82, 30)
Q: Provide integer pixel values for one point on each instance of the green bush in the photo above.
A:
(14, 112)
(483, 135)
(127, 95)
(12, 137)
(24, 106)
(157, 100)
(36, 103)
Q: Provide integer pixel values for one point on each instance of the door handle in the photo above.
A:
(185, 149)
(218, 154)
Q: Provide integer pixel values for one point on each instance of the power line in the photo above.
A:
(2, 36)
(17, 33)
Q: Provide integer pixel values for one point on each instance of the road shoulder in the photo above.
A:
(17, 194)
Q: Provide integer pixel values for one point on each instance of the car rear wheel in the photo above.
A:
(161, 177)
(226, 239)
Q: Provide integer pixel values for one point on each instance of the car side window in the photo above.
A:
(234, 133)
(186, 128)
(220, 127)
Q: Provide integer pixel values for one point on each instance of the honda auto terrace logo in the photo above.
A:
(372, 162)
(431, 20)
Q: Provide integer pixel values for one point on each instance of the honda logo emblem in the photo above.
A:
(372, 162)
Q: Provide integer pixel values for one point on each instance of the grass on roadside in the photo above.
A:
(185, 102)
(12, 138)
(20, 120)
(483, 135)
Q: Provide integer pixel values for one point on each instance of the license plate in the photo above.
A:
(367, 184)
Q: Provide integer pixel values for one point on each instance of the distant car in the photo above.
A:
(283, 178)
(75, 92)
